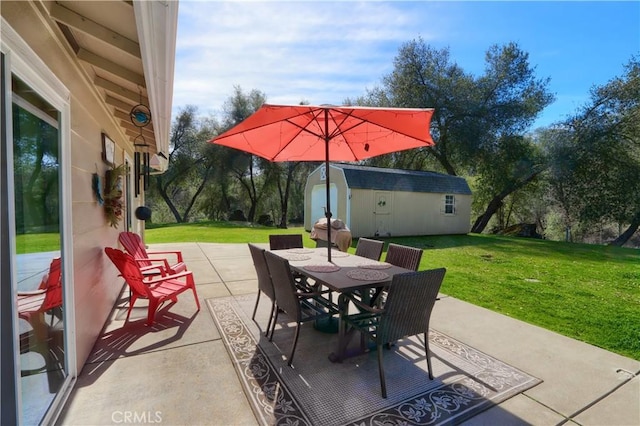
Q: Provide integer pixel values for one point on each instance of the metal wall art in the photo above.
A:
(141, 117)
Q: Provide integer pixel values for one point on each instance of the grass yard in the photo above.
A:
(587, 292)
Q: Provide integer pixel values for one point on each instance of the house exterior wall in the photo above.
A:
(96, 284)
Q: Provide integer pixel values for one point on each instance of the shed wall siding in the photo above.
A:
(412, 214)
(409, 213)
(362, 217)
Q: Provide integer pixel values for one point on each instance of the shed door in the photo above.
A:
(319, 201)
(382, 210)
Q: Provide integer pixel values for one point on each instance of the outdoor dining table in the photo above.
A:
(346, 274)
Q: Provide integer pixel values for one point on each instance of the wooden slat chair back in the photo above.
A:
(298, 305)
(157, 289)
(285, 241)
(151, 262)
(33, 304)
(265, 285)
(406, 313)
(403, 256)
(371, 249)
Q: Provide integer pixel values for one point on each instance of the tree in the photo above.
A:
(189, 168)
(514, 163)
(603, 168)
(247, 169)
(473, 117)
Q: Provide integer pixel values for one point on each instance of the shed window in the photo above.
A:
(449, 204)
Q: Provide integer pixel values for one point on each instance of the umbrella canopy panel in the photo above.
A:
(301, 132)
(328, 133)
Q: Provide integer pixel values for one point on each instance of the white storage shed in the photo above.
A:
(375, 201)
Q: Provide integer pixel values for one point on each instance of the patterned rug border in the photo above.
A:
(451, 403)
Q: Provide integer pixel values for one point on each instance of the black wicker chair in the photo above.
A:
(264, 281)
(285, 241)
(403, 256)
(371, 249)
(406, 312)
(300, 306)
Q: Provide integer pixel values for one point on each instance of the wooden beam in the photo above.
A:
(111, 67)
(119, 104)
(82, 23)
(127, 124)
(122, 91)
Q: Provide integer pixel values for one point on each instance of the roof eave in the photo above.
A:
(157, 25)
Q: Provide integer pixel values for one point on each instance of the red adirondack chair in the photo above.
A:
(133, 244)
(157, 289)
(33, 304)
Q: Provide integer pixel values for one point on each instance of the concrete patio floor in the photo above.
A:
(178, 372)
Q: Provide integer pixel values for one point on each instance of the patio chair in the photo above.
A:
(406, 313)
(371, 249)
(288, 241)
(285, 241)
(33, 304)
(404, 256)
(300, 306)
(157, 289)
(149, 265)
(264, 281)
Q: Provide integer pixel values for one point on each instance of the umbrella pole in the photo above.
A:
(328, 182)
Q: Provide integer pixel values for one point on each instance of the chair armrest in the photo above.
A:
(363, 306)
(31, 292)
(159, 279)
(178, 254)
(162, 269)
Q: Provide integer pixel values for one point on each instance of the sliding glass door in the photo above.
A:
(38, 262)
(37, 358)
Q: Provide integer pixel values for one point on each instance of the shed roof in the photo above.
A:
(365, 177)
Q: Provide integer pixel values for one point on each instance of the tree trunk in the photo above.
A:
(284, 195)
(483, 220)
(628, 233)
(167, 199)
(205, 179)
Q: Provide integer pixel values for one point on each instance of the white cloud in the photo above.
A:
(320, 52)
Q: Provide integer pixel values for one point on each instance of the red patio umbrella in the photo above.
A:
(328, 133)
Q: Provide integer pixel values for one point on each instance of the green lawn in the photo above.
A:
(587, 292)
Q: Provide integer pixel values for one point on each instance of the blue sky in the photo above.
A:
(324, 52)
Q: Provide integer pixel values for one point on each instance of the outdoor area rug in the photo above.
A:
(318, 392)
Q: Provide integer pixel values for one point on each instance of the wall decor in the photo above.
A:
(108, 150)
(113, 194)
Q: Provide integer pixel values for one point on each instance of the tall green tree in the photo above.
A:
(189, 168)
(252, 173)
(603, 167)
(476, 119)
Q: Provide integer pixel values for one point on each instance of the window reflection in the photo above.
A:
(39, 298)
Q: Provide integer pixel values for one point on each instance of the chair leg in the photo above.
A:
(273, 325)
(195, 296)
(153, 305)
(273, 308)
(132, 301)
(428, 353)
(295, 342)
(383, 384)
(255, 308)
